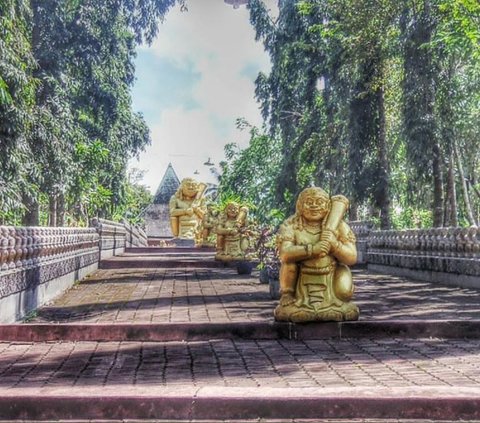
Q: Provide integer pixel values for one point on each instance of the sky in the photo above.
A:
(192, 84)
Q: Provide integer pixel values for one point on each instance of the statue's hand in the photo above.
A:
(321, 248)
(189, 212)
(329, 235)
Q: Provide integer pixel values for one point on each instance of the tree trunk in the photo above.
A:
(52, 210)
(466, 197)
(419, 98)
(383, 169)
(32, 215)
(353, 212)
(451, 209)
(437, 187)
(61, 210)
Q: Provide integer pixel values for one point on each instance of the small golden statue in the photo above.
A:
(232, 234)
(316, 246)
(209, 226)
(187, 207)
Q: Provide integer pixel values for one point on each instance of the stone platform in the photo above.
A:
(191, 342)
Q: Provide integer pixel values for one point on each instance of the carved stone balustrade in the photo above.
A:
(135, 236)
(38, 263)
(26, 247)
(449, 255)
(362, 230)
(112, 237)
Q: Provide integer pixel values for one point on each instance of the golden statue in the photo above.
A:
(232, 234)
(209, 226)
(187, 208)
(316, 246)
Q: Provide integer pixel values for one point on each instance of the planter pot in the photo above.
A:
(274, 285)
(244, 267)
(263, 276)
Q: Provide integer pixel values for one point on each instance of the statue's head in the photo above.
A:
(313, 204)
(232, 210)
(189, 187)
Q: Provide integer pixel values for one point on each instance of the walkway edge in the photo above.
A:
(163, 332)
(219, 402)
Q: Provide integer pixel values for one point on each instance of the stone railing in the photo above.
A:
(38, 263)
(112, 237)
(449, 255)
(361, 229)
(135, 236)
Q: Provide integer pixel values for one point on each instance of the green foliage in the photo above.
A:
(225, 196)
(400, 93)
(17, 86)
(136, 198)
(459, 30)
(266, 248)
(247, 174)
(67, 128)
(411, 218)
(399, 105)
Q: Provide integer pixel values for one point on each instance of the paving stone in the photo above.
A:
(220, 295)
(328, 375)
(242, 363)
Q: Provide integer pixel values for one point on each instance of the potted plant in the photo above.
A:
(269, 262)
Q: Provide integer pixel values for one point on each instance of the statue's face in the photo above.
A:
(232, 211)
(315, 207)
(189, 188)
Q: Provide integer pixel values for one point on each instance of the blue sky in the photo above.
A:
(161, 85)
(193, 83)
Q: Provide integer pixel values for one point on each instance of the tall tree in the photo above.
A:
(65, 83)
(421, 129)
(17, 104)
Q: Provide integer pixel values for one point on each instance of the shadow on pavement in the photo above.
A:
(244, 363)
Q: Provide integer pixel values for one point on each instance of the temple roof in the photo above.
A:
(167, 187)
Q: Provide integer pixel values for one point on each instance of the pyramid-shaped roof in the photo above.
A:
(167, 187)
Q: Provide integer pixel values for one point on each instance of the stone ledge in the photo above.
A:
(220, 402)
(167, 250)
(162, 332)
(158, 262)
(17, 305)
(451, 279)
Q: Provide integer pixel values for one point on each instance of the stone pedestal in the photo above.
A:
(181, 242)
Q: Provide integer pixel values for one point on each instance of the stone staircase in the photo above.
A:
(171, 335)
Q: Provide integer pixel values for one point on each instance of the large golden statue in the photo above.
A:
(232, 234)
(187, 208)
(316, 246)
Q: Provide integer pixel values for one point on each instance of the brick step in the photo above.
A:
(225, 403)
(194, 256)
(148, 262)
(165, 250)
(238, 379)
(191, 331)
(256, 420)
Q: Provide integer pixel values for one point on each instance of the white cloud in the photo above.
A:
(219, 42)
(186, 139)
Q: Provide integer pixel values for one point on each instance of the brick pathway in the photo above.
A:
(238, 363)
(220, 295)
(273, 380)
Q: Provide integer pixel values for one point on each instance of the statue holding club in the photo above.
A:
(316, 247)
